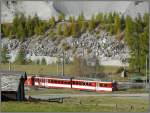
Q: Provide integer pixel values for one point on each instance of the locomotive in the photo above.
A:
(72, 83)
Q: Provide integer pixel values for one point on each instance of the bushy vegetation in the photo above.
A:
(21, 57)
(137, 38)
(43, 62)
(4, 54)
(23, 27)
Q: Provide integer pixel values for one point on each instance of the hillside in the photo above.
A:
(93, 30)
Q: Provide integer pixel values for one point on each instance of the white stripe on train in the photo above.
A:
(73, 86)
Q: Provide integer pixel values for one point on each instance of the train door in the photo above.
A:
(97, 86)
(46, 82)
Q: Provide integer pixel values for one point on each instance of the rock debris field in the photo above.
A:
(102, 46)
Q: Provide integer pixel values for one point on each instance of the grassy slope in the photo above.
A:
(68, 70)
(94, 104)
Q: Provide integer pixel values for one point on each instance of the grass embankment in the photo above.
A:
(53, 68)
(68, 70)
(77, 104)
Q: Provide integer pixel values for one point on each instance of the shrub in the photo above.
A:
(43, 62)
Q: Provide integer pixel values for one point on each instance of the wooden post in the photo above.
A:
(116, 106)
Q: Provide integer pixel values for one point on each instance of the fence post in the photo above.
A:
(116, 106)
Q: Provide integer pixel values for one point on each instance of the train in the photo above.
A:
(71, 83)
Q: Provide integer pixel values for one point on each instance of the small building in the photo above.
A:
(12, 85)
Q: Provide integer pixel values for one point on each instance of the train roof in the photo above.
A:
(75, 78)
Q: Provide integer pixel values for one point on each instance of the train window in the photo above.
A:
(109, 85)
(75, 82)
(49, 81)
(65, 82)
(83, 83)
(102, 85)
(55, 81)
(79, 83)
(105, 85)
(58, 82)
(87, 84)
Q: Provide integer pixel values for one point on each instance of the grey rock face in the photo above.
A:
(87, 45)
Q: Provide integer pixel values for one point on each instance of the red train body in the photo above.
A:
(78, 84)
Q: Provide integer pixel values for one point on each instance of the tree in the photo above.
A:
(136, 36)
(15, 23)
(83, 27)
(37, 30)
(20, 32)
(71, 19)
(99, 18)
(6, 30)
(80, 21)
(92, 23)
(110, 18)
(117, 25)
(21, 56)
(29, 27)
(61, 17)
(66, 30)
(59, 29)
(52, 21)
(90, 26)
(122, 22)
(4, 54)
(73, 29)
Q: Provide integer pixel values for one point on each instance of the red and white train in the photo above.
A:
(79, 84)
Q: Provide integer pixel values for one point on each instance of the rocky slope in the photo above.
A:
(106, 48)
(46, 9)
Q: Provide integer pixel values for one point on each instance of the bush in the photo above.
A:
(66, 46)
(38, 61)
(21, 57)
(43, 62)
(3, 55)
(29, 61)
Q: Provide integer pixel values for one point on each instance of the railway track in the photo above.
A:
(53, 96)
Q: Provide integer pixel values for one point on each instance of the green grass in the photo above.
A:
(77, 104)
(69, 68)
(52, 69)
